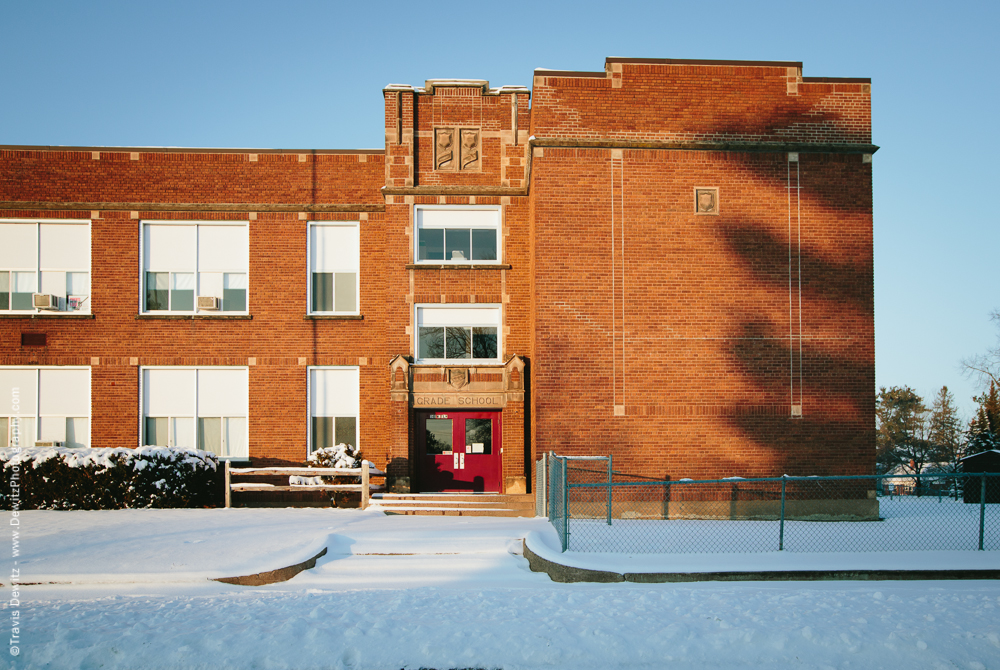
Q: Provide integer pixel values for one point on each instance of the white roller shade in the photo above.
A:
(222, 392)
(65, 246)
(64, 392)
(54, 282)
(450, 316)
(333, 248)
(18, 246)
(19, 384)
(222, 248)
(170, 248)
(458, 218)
(334, 392)
(168, 392)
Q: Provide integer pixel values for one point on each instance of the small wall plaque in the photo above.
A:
(444, 149)
(706, 200)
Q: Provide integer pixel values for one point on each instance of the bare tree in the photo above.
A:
(986, 367)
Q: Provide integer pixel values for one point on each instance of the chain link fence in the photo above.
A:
(595, 509)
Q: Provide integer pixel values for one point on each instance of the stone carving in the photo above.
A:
(458, 377)
(399, 371)
(444, 149)
(706, 200)
(470, 149)
(457, 149)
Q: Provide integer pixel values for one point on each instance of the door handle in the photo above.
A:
(461, 460)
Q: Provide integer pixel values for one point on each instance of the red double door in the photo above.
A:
(460, 451)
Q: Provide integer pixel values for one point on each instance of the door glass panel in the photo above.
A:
(439, 436)
(479, 436)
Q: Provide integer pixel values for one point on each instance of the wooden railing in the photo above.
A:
(365, 487)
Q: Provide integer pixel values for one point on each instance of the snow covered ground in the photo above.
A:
(447, 592)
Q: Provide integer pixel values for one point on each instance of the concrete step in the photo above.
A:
(455, 504)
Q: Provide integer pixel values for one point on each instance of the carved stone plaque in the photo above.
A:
(470, 149)
(457, 149)
(444, 149)
(706, 200)
(458, 378)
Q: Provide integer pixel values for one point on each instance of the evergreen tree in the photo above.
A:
(901, 437)
(984, 428)
(946, 435)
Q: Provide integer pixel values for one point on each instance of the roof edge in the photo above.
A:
(696, 61)
(185, 150)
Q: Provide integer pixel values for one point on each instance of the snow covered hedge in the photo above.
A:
(62, 478)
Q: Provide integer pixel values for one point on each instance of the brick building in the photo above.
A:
(666, 260)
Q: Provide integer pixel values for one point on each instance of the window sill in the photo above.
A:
(458, 266)
(55, 315)
(334, 317)
(195, 317)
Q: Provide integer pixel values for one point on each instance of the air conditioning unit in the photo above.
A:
(49, 444)
(45, 301)
(208, 302)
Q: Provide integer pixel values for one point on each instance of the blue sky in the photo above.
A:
(309, 75)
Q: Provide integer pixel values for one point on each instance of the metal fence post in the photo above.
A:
(781, 525)
(982, 509)
(565, 494)
(609, 489)
(551, 499)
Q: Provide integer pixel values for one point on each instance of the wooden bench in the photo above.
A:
(365, 487)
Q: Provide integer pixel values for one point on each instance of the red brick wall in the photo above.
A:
(689, 103)
(689, 327)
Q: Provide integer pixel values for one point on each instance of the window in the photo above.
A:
(333, 406)
(334, 255)
(51, 258)
(195, 267)
(48, 405)
(196, 408)
(457, 234)
(458, 332)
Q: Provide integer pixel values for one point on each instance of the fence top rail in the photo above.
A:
(584, 458)
(306, 472)
(787, 478)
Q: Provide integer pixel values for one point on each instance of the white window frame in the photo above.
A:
(309, 409)
(357, 272)
(457, 208)
(194, 404)
(197, 272)
(458, 361)
(37, 416)
(85, 308)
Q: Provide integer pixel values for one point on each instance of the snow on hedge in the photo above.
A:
(112, 478)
